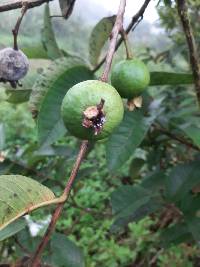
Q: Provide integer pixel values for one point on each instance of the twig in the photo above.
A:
(135, 20)
(127, 45)
(194, 59)
(36, 257)
(14, 4)
(177, 138)
(118, 26)
(17, 26)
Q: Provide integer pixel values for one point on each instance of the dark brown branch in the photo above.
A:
(194, 59)
(118, 26)
(175, 137)
(17, 26)
(135, 20)
(14, 4)
(37, 255)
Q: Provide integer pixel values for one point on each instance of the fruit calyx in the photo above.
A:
(94, 117)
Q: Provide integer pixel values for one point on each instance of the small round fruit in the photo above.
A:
(13, 64)
(92, 109)
(130, 78)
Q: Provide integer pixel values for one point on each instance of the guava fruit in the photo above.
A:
(14, 65)
(130, 78)
(92, 109)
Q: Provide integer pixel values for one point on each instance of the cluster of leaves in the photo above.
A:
(148, 168)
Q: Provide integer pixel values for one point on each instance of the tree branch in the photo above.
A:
(194, 59)
(135, 20)
(118, 26)
(37, 255)
(6, 5)
(175, 137)
(17, 26)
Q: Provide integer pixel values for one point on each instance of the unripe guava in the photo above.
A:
(13, 65)
(130, 78)
(92, 109)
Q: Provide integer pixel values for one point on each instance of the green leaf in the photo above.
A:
(155, 181)
(46, 80)
(132, 203)
(48, 36)
(50, 124)
(170, 78)
(135, 167)
(12, 229)
(65, 252)
(182, 179)
(100, 34)
(126, 138)
(193, 132)
(175, 235)
(193, 224)
(18, 96)
(66, 7)
(20, 195)
(35, 52)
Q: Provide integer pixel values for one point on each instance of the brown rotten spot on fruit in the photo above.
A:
(94, 117)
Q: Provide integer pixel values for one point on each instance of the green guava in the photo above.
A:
(130, 78)
(92, 109)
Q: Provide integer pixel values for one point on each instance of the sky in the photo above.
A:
(132, 7)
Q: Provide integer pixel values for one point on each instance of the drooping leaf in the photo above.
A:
(20, 195)
(48, 37)
(65, 252)
(170, 78)
(50, 123)
(47, 78)
(182, 179)
(66, 7)
(126, 138)
(100, 34)
(132, 203)
(12, 229)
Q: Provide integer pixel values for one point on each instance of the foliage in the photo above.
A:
(136, 197)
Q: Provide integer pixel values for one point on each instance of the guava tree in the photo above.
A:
(147, 121)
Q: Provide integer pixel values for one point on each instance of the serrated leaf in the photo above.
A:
(132, 203)
(12, 229)
(126, 138)
(50, 123)
(66, 7)
(64, 252)
(48, 36)
(100, 34)
(20, 195)
(182, 179)
(170, 78)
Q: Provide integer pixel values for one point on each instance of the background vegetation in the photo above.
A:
(155, 233)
